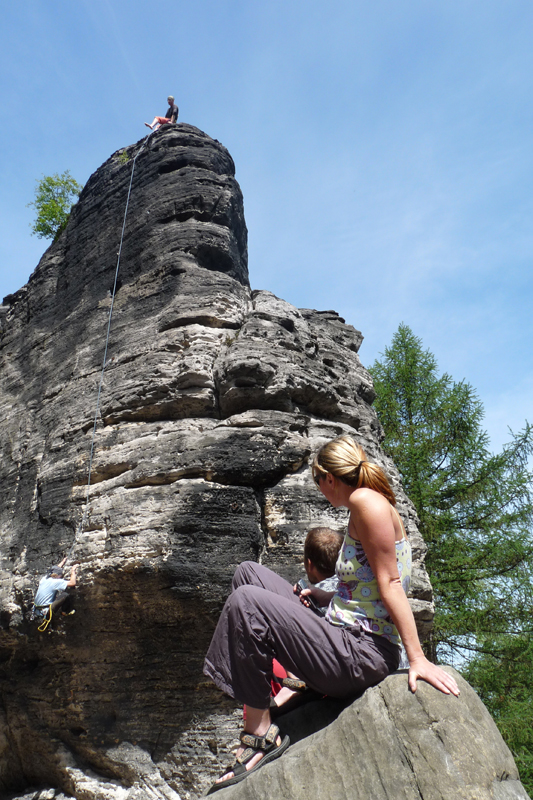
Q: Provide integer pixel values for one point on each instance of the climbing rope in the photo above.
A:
(81, 526)
(47, 619)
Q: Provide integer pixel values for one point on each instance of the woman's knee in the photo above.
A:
(243, 602)
(244, 574)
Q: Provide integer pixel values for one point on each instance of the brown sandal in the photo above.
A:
(295, 685)
(253, 744)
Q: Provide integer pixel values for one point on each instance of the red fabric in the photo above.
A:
(278, 672)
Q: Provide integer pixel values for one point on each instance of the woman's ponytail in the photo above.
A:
(346, 460)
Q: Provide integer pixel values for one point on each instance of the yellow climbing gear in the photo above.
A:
(46, 621)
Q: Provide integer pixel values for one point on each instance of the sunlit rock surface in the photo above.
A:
(214, 399)
(393, 745)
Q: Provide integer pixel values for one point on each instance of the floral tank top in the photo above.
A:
(357, 599)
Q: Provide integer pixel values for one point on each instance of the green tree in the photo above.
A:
(502, 678)
(54, 197)
(476, 517)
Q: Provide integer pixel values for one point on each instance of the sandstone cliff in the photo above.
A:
(214, 399)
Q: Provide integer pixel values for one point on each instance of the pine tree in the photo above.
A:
(502, 678)
(476, 516)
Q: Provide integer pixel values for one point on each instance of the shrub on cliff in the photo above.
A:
(54, 197)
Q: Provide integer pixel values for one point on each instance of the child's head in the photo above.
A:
(321, 550)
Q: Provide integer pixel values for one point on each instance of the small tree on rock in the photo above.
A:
(54, 197)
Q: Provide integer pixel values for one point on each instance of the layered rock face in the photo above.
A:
(214, 399)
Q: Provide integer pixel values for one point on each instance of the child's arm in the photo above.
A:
(321, 597)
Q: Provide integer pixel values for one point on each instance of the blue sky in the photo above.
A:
(383, 149)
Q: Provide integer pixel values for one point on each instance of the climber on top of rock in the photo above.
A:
(51, 593)
(170, 117)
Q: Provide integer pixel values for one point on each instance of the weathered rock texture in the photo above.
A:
(393, 745)
(213, 400)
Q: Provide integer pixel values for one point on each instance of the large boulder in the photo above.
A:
(391, 744)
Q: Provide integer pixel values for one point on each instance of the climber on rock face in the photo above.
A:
(170, 117)
(52, 591)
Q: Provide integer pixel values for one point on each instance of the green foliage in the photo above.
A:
(475, 508)
(502, 678)
(476, 516)
(231, 338)
(54, 197)
(124, 157)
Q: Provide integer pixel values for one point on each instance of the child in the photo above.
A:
(321, 550)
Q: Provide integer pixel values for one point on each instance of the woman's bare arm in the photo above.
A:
(371, 515)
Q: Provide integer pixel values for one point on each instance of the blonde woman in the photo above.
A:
(355, 646)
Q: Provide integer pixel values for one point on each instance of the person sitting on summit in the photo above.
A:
(170, 116)
(51, 592)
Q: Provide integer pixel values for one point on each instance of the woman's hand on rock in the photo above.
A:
(425, 670)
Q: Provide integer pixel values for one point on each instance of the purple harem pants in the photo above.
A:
(263, 619)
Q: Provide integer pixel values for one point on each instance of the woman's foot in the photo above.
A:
(257, 750)
(283, 696)
(254, 760)
(291, 687)
(148, 125)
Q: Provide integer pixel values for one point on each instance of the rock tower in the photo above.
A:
(214, 399)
